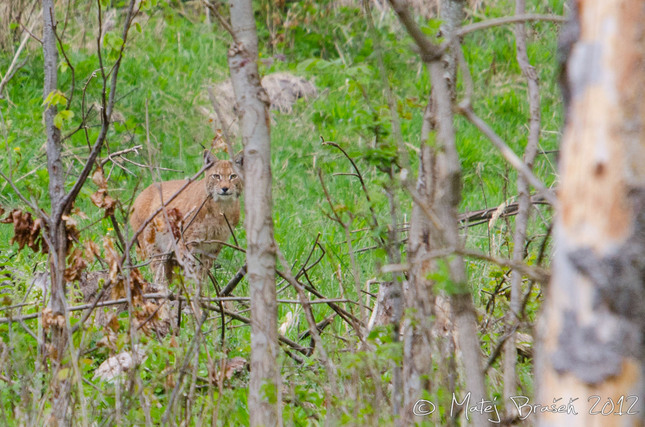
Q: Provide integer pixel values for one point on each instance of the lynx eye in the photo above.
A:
(233, 176)
(217, 176)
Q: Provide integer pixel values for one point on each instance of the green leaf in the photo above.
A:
(61, 117)
(58, 121)
(138, 27)
(55, 97)
(66, 114)
(63, 374)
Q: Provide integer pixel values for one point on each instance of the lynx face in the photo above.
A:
(222, 182)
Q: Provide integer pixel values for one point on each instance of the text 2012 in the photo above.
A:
(624, 405)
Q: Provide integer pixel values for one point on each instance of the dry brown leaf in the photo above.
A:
(26, 231)
(113, 323)
(50, 319)
(76, 264)
(137, 284)
(112, 259)
(103, 201)
(219, 143)
(73, 235)
(98, 178)
(79, 213)
(92, 250)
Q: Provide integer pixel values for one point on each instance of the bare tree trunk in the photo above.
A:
(57, 233)
(591, 329)
(447, 201)
(524, 204)
(253, 104)
(441, 170)
(419, 295)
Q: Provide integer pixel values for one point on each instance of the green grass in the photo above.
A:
(165, 71)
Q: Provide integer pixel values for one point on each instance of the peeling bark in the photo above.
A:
(591, 328)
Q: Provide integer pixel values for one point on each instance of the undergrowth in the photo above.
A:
(167, 66)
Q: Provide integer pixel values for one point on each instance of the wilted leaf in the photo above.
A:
(79, 213)
(113, 323)
(92, 250)
(76, 264)
(98, 178)
(101, 199)
(26, 231)
(50, 319)
(137, 284)
(112, 258)
(73, 235)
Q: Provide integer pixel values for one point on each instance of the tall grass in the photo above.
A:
(167, 67)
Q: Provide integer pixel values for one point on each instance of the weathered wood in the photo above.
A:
(591, 329)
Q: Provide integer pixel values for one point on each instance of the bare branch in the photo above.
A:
(108, 107)
(489, 23)
(10, 71)
(507, 153)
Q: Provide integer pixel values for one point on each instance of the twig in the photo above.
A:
(495, 22)
(9, 73)
(304, 264)
(230, 286)
(304, 350)
(429, 51)
(346, 316)
(35, 208)
(538, 274)
(358, 175)
(507, 153)
(219, 17)
(119, 154)
(106, 112)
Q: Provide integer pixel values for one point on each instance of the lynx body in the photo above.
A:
(190, 229)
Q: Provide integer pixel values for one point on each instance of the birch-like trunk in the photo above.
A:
(57, 235)
(523, 201)
(591, 329)
(253, 105)
(440, 185)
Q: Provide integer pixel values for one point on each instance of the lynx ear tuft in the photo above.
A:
(239, 159)
(209, 158)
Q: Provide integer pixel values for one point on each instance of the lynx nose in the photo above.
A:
(224, 190)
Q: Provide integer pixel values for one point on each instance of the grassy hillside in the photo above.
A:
(170, 58)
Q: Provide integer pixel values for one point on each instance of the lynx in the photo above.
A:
(191, 228)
